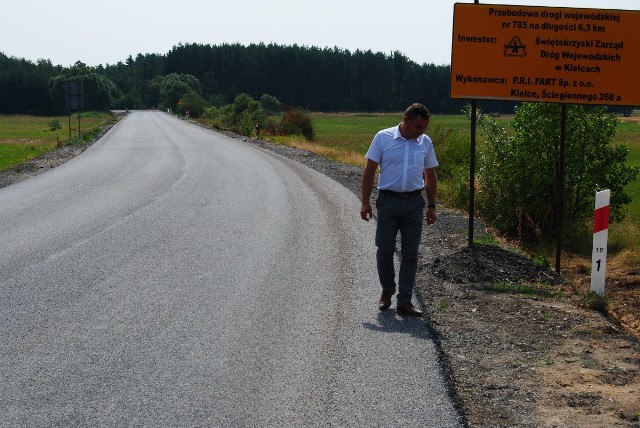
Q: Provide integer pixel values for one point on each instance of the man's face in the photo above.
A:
(414, 128)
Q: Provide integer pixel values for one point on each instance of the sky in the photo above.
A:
(66, 31)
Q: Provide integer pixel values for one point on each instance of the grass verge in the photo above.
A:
(24, 137)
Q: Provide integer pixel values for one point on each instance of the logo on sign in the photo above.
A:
(515, 47)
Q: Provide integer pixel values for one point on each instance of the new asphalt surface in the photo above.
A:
(172, 276)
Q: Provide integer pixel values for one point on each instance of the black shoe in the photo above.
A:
(408, 309)
(385, 301)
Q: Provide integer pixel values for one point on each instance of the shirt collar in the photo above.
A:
(396, 132)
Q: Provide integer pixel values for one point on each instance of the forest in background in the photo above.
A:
(316, 79)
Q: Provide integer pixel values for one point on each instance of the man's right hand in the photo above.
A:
(368, 175)
(366, 212)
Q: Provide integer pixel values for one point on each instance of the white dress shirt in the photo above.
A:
(402, 162)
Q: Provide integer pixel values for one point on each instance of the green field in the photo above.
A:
(629, 133)
(354, 131)
(24, 137)
(345, 137)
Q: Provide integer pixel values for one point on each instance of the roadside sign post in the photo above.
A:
(74, 96)
(544, 54)
(472, 164)
(600, 237)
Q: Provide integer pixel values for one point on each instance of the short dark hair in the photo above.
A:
(415, 110)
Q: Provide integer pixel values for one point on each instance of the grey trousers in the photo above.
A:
(406, 216)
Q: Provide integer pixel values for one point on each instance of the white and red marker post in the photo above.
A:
(600, 236)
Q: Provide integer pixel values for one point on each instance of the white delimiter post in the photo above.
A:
(600, 236)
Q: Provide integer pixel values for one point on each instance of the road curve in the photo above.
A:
(172, 276)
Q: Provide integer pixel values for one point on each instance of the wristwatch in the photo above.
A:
(431, 206)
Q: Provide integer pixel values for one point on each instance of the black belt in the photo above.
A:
(401, 195)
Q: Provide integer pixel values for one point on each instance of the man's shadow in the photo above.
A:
(390, 321)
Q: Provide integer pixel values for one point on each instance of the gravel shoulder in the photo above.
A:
(518, 349)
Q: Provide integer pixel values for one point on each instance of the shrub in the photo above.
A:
(127, 101)
(452, 149)
(176, 86)
(246, 112)
(217, 100)
(297, 121)
(240, 117)
(517, 172)
(270, 103)
(54, 124)
(192, 103)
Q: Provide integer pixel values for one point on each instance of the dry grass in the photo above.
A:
(622, 287)
(343, 156)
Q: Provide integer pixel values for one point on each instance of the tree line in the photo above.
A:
(317, 79)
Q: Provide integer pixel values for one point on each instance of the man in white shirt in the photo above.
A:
(407, 164)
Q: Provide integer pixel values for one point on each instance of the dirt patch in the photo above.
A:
(521, 352)
(622, 292)
(518, 349)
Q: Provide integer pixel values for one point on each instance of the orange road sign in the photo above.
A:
(543, 54)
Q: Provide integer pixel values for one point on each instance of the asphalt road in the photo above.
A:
(172, 276)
